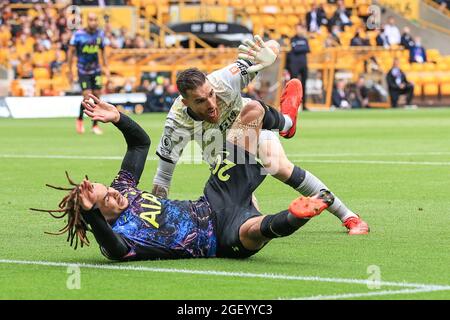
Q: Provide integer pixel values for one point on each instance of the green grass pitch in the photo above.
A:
(390, 166)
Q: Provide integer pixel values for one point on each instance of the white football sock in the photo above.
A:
(312, 185)
(287, 123)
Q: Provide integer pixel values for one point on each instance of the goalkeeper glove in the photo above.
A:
(258, 53)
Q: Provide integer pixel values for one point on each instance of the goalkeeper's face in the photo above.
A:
(202, 101)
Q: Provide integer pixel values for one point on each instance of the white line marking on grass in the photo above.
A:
(153, 158)
(224, 274)
(414, 163)
(372, 293)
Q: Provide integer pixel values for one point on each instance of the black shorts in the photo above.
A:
(90, 81)
(235, 176)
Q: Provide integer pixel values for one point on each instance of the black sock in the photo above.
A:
(296, 178)
(80, 116)
(281, 224)
(272, 118)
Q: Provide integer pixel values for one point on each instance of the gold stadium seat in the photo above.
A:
(41, 73)
(150, 10)
(417, 67)
(300, 11)
(236, 3)
(429, 66)
(445, 84)
(433, 55)
(136, 3)
(251, 9)
(430, 85)
(292, 19)
(248, 2)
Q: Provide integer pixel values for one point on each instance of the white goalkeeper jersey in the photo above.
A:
(180, 127)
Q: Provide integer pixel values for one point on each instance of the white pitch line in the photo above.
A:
(414, 163)
(153, 158)
(223, 273)
(371, 294)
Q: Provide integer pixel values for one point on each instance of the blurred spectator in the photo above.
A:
(443, 4)
(144, 87)
(25, 68)
(339, 96)
(392, 32)
(341, 16)
(417, 53)
(332, 39)
(361, 94)
(297, 63)
(398, 84)
(358, 40)
(316, 18)
(382, 38)
(56, 64)
(407, 40)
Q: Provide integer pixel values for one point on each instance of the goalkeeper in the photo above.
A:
(209, 105)
(131, 224)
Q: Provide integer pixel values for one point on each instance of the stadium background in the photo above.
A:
(150, 40)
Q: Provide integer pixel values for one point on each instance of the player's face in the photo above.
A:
(203, 102)
(92, 22)
(109, 200)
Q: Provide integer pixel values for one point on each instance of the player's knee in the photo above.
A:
(252, 111)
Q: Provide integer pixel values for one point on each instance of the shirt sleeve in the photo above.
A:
(174, 139)
(73, 39)
(235, 75)
(124, 180)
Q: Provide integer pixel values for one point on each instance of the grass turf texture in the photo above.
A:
(406, 206)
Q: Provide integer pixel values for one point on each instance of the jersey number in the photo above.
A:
(220, 171)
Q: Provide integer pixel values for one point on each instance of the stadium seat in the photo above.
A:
(41, 73)
(430, 84)
(150, 10)
(251, 10)
(236, 3)
(445, 84)
(136, 3)
(417, 67)
(429, 66)
(433, 55)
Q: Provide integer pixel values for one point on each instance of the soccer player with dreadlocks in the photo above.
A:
(131, 224)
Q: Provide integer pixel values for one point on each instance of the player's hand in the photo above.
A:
(100, 110)
(160, 191)
(87, 195)
(259, 53)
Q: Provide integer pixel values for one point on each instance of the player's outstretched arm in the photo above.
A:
(138, 141)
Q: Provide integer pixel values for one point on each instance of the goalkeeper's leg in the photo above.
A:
(276, 163)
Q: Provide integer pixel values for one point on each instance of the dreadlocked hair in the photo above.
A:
(70, 206)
